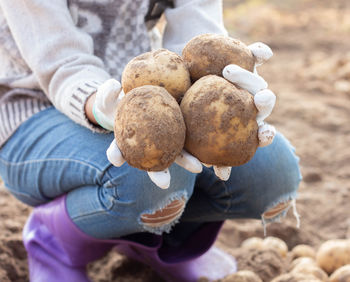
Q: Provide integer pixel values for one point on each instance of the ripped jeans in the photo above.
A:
(49, 155)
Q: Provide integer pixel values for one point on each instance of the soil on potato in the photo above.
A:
(310, 73)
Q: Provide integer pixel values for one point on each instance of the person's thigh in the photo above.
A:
(266, 185)
(50, 155)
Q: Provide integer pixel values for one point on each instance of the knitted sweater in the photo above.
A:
(58, 52)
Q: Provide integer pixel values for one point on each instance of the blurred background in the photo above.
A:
(310, 74)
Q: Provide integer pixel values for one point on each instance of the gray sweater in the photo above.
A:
(58, 52)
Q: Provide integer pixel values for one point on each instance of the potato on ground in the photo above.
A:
(296, 277)
(160, 68)
(211, 53)
(253, 243)
(333, 254)
(221, 127)
(311, 270)
(276, 244)
(307, 261)
(149, 128)
(242, 276)
(303, 251)
(341, 274)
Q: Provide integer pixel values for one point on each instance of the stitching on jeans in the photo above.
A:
(105, 212)
(49, 160)
(28, 196)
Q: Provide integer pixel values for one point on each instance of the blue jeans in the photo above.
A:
(49, 155)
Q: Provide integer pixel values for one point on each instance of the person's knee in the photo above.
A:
(265, 187)
(276, 210)
(154, 209)
(281, 196)
(164, 215)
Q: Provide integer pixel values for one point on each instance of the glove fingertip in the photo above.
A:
(114, 155)
(222, 172)
(160, 178)
(194, 167)
(261, 52)
(266, 135)
(189, 162)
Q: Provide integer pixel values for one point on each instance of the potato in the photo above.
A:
(311, 270)
(160, 68)
(211, 53)
(296, 277)
(149, 128)
(307, 261)
(303, 251)
(254, 243)
(342, 274)
(276, 244)
(333, 254)
(242, 276)
(221, 127)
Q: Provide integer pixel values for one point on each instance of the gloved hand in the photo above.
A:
(264, 99)
(108, 96)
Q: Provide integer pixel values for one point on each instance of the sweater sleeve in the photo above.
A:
(190, 18)
(58, 53)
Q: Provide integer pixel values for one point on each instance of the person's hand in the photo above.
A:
(264, 99)
(160, 178)
(108, 96)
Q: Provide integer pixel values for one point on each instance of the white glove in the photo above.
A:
(264, 99)
(160, 178)
(108, 96)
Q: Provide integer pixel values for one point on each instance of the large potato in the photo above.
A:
(161, 68)
(149, 128)
(211, 53)
(220, 119)
(333, 254)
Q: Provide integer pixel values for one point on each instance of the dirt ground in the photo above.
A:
(310, 74)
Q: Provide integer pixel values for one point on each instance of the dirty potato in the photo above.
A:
(149, 128)
(221, 127)
(160, 68)
(211, 53)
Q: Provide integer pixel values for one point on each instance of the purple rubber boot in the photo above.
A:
(59, 251)
(196, 258)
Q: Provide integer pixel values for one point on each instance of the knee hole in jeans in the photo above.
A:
(165, 215)
(276, 210)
